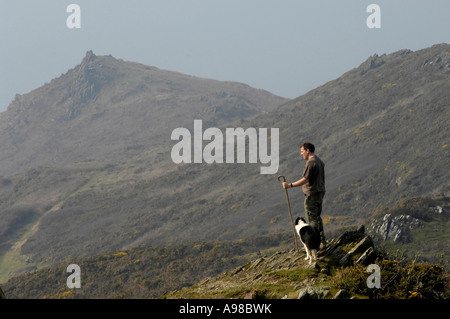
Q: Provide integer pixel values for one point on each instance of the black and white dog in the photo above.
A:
(309, 237)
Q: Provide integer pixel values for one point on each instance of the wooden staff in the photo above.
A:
(290, 214)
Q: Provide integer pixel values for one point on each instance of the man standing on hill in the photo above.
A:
(313, 185)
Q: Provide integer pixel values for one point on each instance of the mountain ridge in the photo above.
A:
(107, 101)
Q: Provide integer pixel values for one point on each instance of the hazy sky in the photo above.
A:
(287, 47)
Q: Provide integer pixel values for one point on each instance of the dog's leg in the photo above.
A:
(309, 256)
(314, 253)
(307, 252)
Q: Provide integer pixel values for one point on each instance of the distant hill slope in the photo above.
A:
(106, 109)
(382, 130)
(106, 121)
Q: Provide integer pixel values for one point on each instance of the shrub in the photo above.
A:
(424, 281)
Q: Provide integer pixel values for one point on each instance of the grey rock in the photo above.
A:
(367, 257)
(360, 248)
(314, 292)
(395, 228)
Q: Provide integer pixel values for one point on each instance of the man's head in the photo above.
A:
(307, 150)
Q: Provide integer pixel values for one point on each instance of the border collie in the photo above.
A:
(309, 237)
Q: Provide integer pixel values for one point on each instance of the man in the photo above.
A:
(313, 185)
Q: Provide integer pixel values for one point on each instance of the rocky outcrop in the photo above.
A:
(362, 247)
(320, 292)
(371, 63)
(396, 228)
(351, 247)
(2, 295)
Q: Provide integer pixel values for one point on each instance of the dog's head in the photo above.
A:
(300, 221)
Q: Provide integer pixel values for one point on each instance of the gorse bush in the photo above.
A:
(424, 281)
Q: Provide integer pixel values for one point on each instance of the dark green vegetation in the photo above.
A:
(87, 167)
(144, 272)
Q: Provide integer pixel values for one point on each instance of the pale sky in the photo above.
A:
(287, 47)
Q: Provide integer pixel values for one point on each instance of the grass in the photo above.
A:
(295, 275)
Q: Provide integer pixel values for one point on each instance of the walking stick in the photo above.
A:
(290, 214)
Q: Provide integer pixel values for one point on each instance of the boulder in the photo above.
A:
(314, 292)
(360, 248)
(333, 249)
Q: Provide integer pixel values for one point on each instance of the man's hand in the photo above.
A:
(285, 185)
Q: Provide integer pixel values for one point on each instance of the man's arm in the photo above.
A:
(298, 183)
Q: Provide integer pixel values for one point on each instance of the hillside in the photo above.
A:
(107, 109)
(339, 273)
(142, 272)
(381, 128)
(261, 268)
(86, 141)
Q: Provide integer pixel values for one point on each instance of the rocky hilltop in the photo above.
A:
(341, 272)
(107, 109)
(104, 123)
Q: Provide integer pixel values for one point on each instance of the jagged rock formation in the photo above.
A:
(351, 247)
(395, 227)
(105, 107)
(88, 80)
(2, 295)
(398, 224)
(371, 63)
